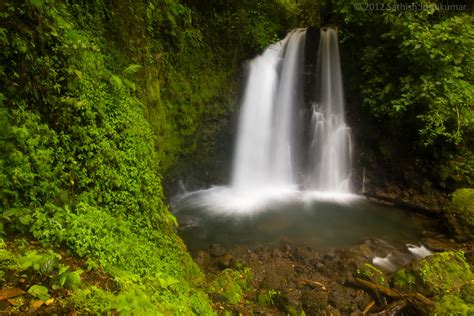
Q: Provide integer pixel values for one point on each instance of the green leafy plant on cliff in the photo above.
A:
(97, 101)
(417, 78)
(79, 166)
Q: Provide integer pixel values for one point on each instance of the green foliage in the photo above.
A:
(43, 266)
(445, 275)
(435, 84)
(246, 26)
(44, 263)
(66, 278)
(232, 284)
(39, 291)
(454, 305)
(79, 166)
(467, 292)
(268, 297)
(97, 100)
(416, 77)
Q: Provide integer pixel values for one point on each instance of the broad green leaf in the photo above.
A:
(133, 68)
(39, 291)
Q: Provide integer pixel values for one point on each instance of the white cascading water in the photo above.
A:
(263, 156)
(265, 161)
(331, 147)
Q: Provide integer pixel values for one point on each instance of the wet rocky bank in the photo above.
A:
(297, 280)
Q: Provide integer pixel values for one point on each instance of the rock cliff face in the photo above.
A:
(385, 167)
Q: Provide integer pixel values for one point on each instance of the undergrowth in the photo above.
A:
(97, 100)
(79, 167)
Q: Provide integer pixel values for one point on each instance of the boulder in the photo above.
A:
(437, 275)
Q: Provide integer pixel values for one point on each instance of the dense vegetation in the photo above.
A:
(100, 99)
(97, 101)
(414, 71)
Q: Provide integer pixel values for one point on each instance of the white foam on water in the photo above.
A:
(419, 252)
(229, 201)
(385, 263)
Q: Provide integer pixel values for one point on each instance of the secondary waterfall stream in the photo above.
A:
(331, 143)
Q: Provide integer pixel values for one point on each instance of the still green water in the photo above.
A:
(317, 224)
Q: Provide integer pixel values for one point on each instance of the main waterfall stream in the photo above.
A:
(291, 173)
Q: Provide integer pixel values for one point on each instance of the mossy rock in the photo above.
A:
(439, 274)
(460, 215)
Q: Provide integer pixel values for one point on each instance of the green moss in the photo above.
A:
(403, 280)
(371, 273)
(294, 311)
(438, 274)
(461, 214)
(467, 292)
(268, 297)
(445, 275)
(232, 284)
(454, 305)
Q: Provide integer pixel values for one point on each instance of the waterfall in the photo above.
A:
(274, 160)
(331, 144)
(263, 156)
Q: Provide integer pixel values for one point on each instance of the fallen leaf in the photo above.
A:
(50, 301)
(7, 293)
(17, 302)
(37, 304)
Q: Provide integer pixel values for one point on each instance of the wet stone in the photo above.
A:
(217, 250)
(347, 299)
(299, 269)
(304, 255)
(202, 258)
(313, 300)
(225, 261)
(276, 253)
(438, 244)
(277, 278)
